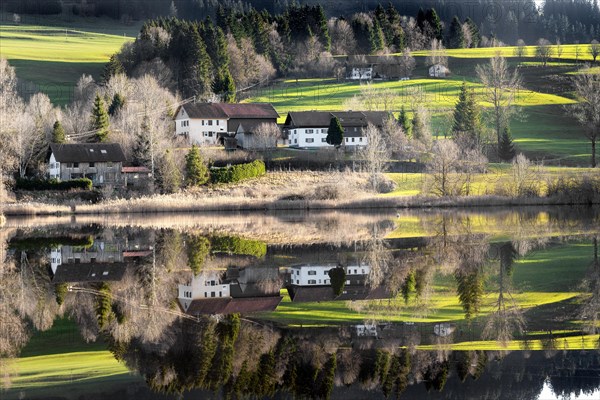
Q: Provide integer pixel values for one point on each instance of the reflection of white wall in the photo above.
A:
(366, 330)
(204, 286)
(55, 259)
(305, 275)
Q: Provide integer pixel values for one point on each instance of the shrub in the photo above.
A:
(382, 184)
(53, 184)
(326, 192)
(237, 245)
(236, 173)
(576, 190)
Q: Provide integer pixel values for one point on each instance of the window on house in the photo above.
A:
(360, 139)
(217, 121)
(210, 122)
(309, 131)
(311, 140)
(92, 165)
(323, 140)
(312, 281)
(212, 294)
(352, 140)
(202, 122)
(75, 165)
(312, 272)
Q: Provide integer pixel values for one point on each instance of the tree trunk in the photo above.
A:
(594, 153)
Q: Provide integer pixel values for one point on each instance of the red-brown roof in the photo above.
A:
(134, 169)
(230, 305)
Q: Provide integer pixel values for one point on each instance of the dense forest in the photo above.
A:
(566, 20)
(221, 49)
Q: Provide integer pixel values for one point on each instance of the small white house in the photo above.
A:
(203, 286)
(309, 275)
(438, 71)
(360, 73)
(367, 330)
(443, 329)
(308, 129)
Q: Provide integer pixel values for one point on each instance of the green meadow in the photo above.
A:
(539, 279)
(59, 362)
(568, 52)
(52, 58)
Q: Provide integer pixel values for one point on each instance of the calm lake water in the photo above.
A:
(485, 304)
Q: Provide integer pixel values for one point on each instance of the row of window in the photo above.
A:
(210, 122)
(325, 272)
(80, 165)
(187, 295)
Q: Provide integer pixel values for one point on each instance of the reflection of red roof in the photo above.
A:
(141, 253)
(230, 305)
(134, 169)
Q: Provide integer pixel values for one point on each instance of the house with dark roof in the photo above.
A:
(309, 128)
(233, 291)
(100, 162)
(311, 283)
(361, 67)
(211, 123)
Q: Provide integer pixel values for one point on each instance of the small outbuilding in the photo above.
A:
(438, 71)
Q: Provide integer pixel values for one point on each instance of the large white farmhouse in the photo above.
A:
(309, 128)
(209, 123)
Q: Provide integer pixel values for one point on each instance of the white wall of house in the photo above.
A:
(309, 275)
(204, 286)
(317, 137)
(55, 259)
(53, 167)
(199, 131)
(361, 73)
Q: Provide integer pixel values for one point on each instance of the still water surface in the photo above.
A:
(415, 305)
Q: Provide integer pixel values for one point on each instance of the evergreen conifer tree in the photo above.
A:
(455, 35)
(142, 148)
(224, 86)
(112, 68)
(404, 122)
(335, 133)
(506, 148)
(100, 121)
(467, 116)
(475, 35)
(196, 171)
(117, 103)
(337, 277)
(58, 133)
(436, 25)
(376, 37)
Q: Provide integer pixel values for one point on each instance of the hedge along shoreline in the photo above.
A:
(53, 184)
(236, 173)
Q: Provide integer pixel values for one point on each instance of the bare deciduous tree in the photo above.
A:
(265, 139)
(500, 89)
(437, 54)
(520, 49)
(543, 50)
(587, 110)
(594, 49)
(376, 153)
(342, 36)
(443, 167)
(407, 62)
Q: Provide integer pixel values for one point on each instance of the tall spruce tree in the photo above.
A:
(506, 148)
(100, 121)
(376, 38)
(142, 148)
(475, 35)
(435, 23)
(196, 172)
(455, 34)
(113, 67)
(58, 133)
(224, 86)
(117, 103)
(467, 116)
(404, 121)
(335, 133)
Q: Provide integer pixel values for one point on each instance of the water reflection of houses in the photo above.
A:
(246, 290)
(308, 282)
(104, 260)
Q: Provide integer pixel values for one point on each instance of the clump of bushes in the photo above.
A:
(238, 245)
(53, 184)
(582, 189)
(326, 192)
(236, 173)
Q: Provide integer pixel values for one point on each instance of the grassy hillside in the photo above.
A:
(52, 58)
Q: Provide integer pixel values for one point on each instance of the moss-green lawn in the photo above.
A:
(52, 58)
